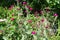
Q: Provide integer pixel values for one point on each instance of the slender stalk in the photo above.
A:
(54, 21)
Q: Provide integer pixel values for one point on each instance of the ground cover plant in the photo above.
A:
(26, 21)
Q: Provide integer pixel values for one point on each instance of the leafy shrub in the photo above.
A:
(3, 13)
(31, 27)
(27, 22)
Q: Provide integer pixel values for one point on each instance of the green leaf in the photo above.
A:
(5, 38)
(35, 37)
(48, 1)
(22, 37)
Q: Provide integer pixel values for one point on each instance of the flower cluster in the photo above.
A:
(34, 26)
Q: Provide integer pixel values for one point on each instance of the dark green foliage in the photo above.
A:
(3, 12)
(7, 3)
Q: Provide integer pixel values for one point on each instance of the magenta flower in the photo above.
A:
(12, 19)
(33, 32)
(47, 9)
(36, 14)
(55, 14)
(25, 11)
(29, 21)
(28, 6)
(46, 27)
(42, 20)
(30, 9)
(11, 7)
(24, 3)
(41, 12)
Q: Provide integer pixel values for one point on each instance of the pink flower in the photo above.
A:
(46, 27)
(47, 9)
(11, 7)
(25, 11)
(30, 9)
(12, 19)
(41, 12)
(24, 3)
(42, 20)
(55, 14)
(13, 14)
(29, 21)
(36, 13)
(18, 8)
(33, 32)
(28, 6)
